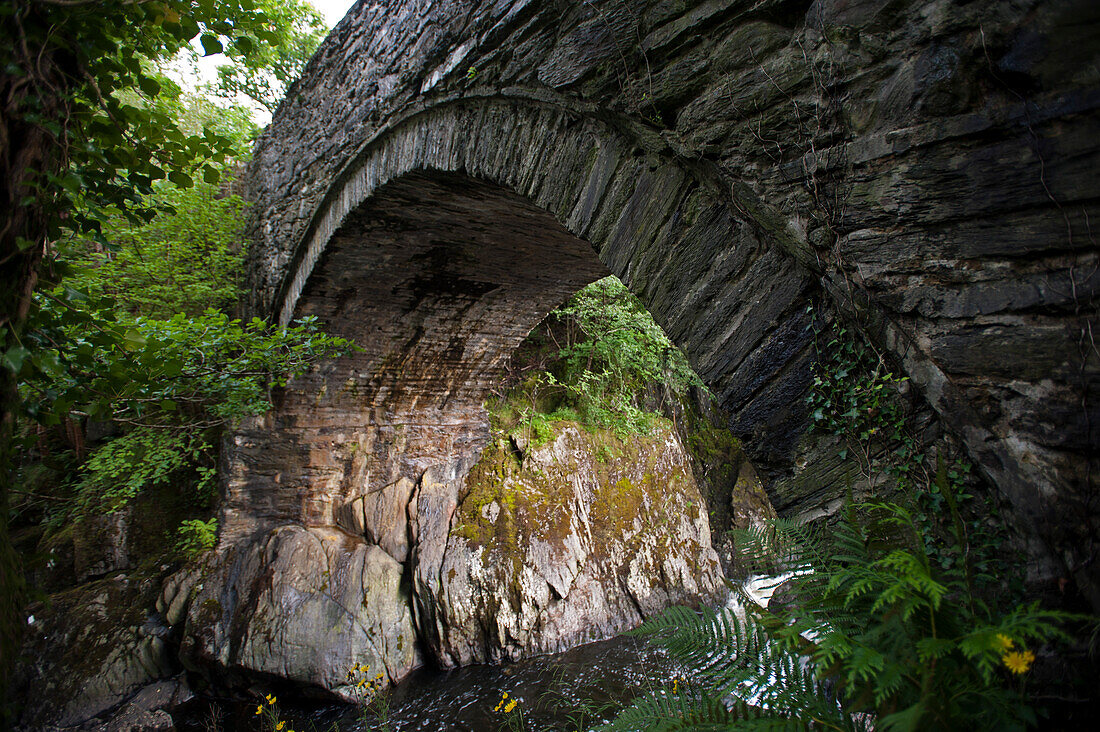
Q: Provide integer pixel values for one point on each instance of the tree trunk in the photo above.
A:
(27, 151)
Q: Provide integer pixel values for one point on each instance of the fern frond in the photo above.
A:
(663, 711)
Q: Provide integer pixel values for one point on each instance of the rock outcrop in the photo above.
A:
(522, 555)
(305, 605)
(576, 540)
(92, 648)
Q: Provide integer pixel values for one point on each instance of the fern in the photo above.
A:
(878, 630)
(737, 662)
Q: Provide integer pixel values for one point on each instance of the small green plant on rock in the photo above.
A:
(591, 361)
(195, 537)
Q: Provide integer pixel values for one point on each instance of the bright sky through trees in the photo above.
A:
(205, 69)
(333, 10)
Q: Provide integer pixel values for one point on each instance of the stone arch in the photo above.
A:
(437, 252)
(949, 206)
(725, 291)
(731, 297)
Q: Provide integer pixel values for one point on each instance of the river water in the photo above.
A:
(564, 692)
(574, 690)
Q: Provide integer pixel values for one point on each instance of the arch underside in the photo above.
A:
(445, 173)
(456, 233)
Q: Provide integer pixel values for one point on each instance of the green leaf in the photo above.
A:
(134, 338)
(210, 44)
(244, 44)
(148, 85)
(14, 357)
(181, 179)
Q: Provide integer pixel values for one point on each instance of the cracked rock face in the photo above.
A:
(531, 551)
(552, 547)
(303, 604)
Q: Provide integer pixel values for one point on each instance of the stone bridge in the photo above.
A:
(448, 171)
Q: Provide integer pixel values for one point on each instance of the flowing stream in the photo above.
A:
(574, 690)
(569, 691)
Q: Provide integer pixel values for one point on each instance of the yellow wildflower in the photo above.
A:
(270, 698)
(1004, 643)
(510, 706)
(260, 709)
(279, 726)
(1018, 662)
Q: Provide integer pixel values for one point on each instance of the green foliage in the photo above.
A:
(194, 537)
(89, 124)
(144, 457)
(895, 616)
(170, 382)
(186, 259)
(592, 361)
(904, 638)
(623, 347)
(263, 74)
(875, 631)
(87, 78)
(85, 359)
(855, 395)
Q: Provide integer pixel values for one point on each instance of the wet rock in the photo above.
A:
(90, 648)
(148, 710)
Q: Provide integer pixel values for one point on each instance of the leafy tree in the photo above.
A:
(83, 137)
(171, 383)
(621, 351)
(184, 260)
(265, 75)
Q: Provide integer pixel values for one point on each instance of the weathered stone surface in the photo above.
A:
(932, 165)
(148, 710)
(382, 516)
(90, 649)
(555, 546)
(305, 605)
(100, 544)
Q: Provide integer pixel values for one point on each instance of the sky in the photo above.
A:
(333, 10)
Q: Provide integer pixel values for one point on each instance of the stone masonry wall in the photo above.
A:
(929, 166)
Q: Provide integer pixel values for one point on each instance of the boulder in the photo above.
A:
(302, 604)
(556, 547)
(89, 649)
